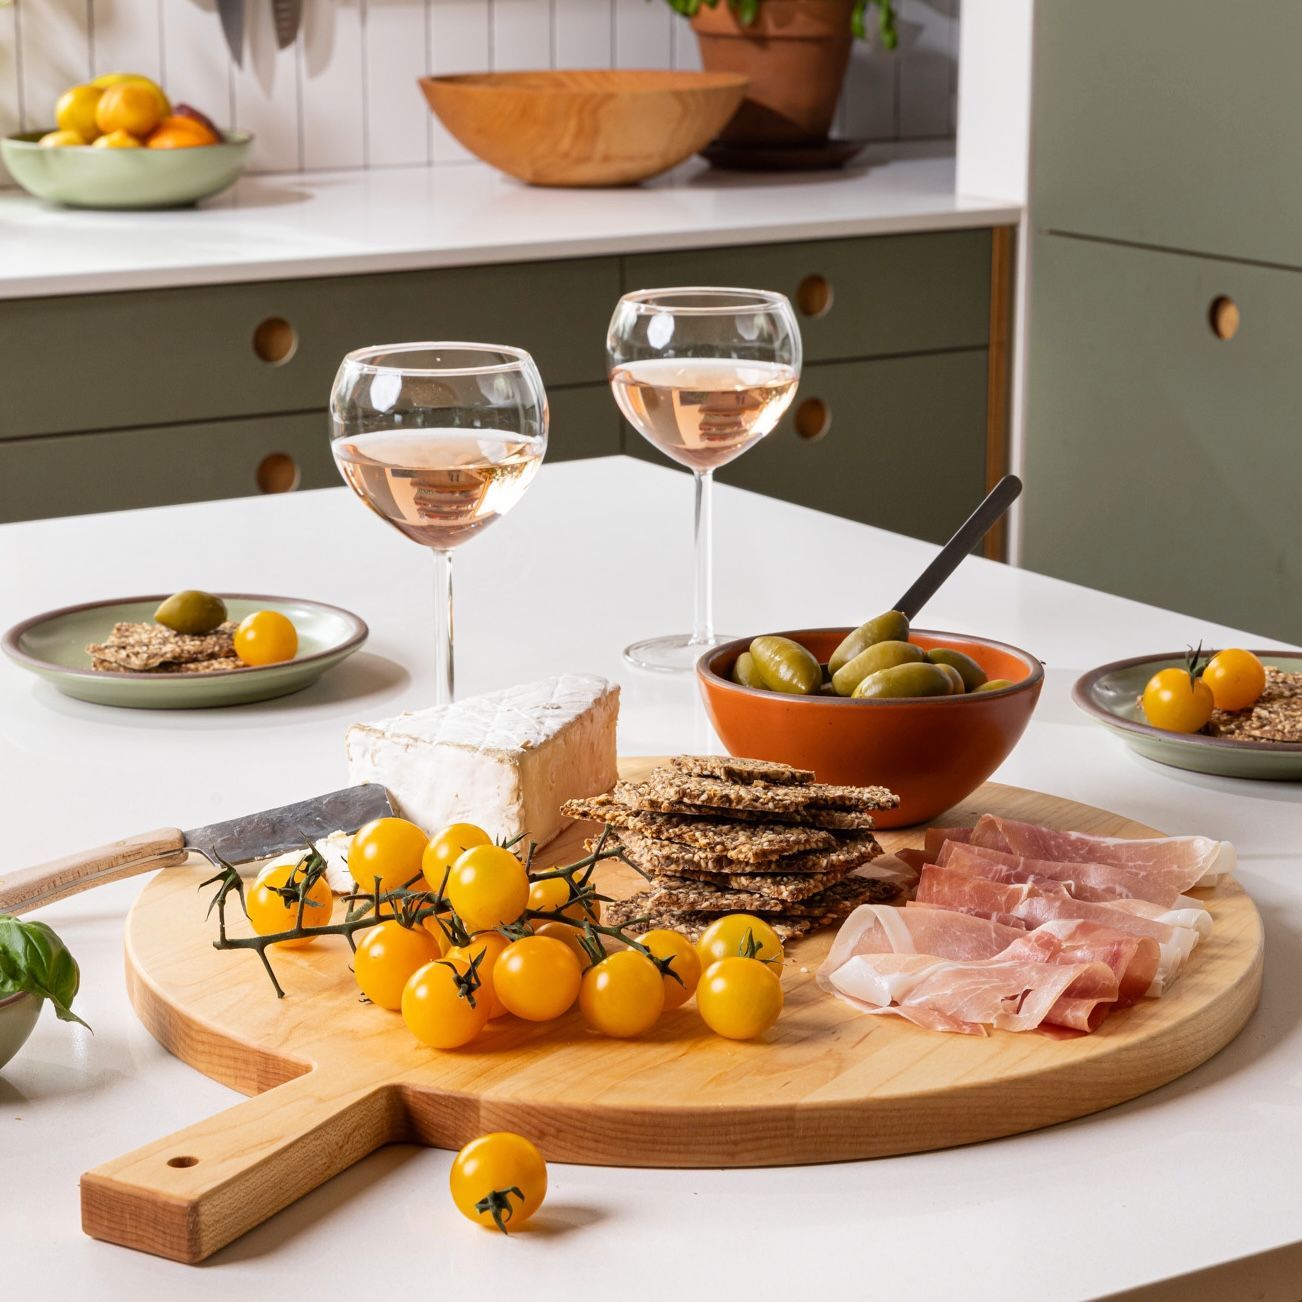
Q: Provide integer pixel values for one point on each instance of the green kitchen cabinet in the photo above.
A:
(1164, 462)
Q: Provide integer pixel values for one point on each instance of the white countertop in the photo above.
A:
(338, 223)
(1202, 1171)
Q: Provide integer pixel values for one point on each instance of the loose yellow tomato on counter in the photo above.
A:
(552, 895)
(488, 887)
(684, 960)
(623, 995)
(1176, 701)
(537, 978)
(266, 637)
(439, 1006)
(1237, 679)
(491, 945)
(387, 848)
(387, 956)
(272, 903)
(739, 998)
(498, 1180)
(446, 847)
(727, 937)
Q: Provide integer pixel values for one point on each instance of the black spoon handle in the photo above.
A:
(973, 529)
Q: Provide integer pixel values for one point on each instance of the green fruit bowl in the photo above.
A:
(82, 176)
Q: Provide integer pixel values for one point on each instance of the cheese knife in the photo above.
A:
(286, 14)
(254, 836)
(231, 13)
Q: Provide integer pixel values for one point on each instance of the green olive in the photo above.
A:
(881, 655)
(956, 687)
(785, 666)
(971, 673)
(995, 685)
(920, 679)
(745, 673)
(890, 627)
(191, 611)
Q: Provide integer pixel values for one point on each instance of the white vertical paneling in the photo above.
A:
(54, 47)
(521, 34)
(127, 36)
(265, 94)
(581, 33)
(868, 103)
(332, 87)
(644, 33)
(459, 41)
(397, 119)
(11, 113)
(926, 68)
(684, 50)
(196, 65)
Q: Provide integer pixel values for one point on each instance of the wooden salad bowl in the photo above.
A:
(585, 128)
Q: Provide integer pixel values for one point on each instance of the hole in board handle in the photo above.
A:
(182, 1161)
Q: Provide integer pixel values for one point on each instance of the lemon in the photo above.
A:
(129, 106)
(55, 139)
(75, 111)
(107, 79)
(118, 139)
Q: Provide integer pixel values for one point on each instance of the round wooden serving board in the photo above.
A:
(335, 1078)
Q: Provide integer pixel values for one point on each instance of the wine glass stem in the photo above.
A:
(703, 533)
(443, 690)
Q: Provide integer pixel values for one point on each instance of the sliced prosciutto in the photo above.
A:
(1182, 862)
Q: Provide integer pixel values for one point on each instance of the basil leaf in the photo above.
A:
(34, 961)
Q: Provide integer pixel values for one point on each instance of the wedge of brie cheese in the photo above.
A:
(505, 761)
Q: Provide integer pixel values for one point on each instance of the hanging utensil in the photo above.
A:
(231, 13)
(287, 15)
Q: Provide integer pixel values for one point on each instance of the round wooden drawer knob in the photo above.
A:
(1224, 317)
(275, 341)
(277, 472)
(814, 296)
(813, 419)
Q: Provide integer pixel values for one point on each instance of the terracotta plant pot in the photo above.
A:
(795, 54)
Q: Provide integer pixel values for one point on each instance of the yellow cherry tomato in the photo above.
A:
(446, 847)
(1236, 677)
(488, 887)
(686, 962)
(739, 998)
(623, 995)
(437, 1007)
(271, 911)
(387, 848)
(727, 937)
(498, 1180)
(1177, 702)
(552, 895)
(537, 978)
(568, 936)
(386, 957)
(266, 637)
(490, 944)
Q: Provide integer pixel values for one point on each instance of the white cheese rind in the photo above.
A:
(506, 760)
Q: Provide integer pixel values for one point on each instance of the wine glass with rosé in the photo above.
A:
(439, 440)
(702, 374)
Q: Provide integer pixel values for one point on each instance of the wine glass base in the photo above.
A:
(676, 654)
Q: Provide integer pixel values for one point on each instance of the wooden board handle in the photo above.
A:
(28, 888)
(194, 1192)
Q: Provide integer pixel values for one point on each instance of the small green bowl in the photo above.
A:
(53, 646)
(82, 176)
(1110, 695)
(18, 1014)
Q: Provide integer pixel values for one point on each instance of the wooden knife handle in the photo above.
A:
(29, 888)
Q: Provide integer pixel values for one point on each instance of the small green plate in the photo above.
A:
(1110, 694)
(53, 646)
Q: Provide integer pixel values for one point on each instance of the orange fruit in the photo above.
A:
(75, 111)
(54, 139)
(180, 133)
(118, 139)
(129, 106)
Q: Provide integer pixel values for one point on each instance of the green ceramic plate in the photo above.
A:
(1110, 694)
(82, 176)
(53, 645)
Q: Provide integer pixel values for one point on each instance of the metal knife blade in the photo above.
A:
(291, 827)
(231, 13)
(287, 14)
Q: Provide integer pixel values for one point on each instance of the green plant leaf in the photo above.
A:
(34, 961)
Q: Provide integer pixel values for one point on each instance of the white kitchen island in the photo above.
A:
(1204, 1171)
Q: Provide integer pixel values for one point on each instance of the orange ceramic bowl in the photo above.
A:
(931, 751)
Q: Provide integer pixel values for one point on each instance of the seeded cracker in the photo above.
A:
(668, 857)
(146, 648)
(704, 897)
(669, 791)
(729, 768)
(1277, 715)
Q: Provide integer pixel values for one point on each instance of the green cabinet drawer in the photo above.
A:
(584, 422)
(1172, 123)
(901, 443)
(1162, 462)
(881, 295)
(158, 357)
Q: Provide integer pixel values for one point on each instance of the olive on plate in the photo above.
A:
(192, 612)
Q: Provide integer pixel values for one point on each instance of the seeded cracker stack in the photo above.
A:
(720, 835)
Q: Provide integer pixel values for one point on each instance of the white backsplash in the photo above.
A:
(345, 95)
